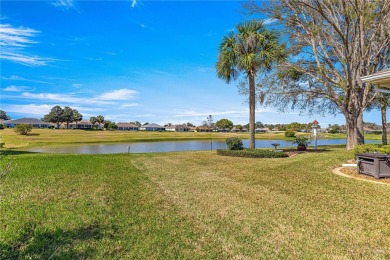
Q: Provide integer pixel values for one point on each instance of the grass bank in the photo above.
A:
(190, 205)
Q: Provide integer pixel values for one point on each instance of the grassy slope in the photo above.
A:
(41, 137)
(190, 205)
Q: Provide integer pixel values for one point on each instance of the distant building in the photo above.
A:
(83, 124)
(127, 126)
(203, 129)
(177, 128)
(261, 130)
(35, 123)
(152, 127)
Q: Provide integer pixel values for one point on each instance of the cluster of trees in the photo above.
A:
(59, 115)
(3, 115)
(331, 45)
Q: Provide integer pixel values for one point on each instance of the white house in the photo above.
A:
(127, 126)
(152, 127)
(177, 128)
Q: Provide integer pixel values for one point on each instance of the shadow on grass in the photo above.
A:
(59, 244)
(15, 152)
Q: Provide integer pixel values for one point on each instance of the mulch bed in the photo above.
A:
(354, 174)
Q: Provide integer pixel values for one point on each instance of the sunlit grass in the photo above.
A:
(190, 205)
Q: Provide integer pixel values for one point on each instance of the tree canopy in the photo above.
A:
(331, 45)
(3, 115)
(224, 124)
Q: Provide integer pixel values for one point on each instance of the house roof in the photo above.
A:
(125, 124)
(177, 126)
(27, 121)
(153, 125)
(381, 78)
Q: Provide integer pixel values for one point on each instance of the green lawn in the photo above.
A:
(190, 205)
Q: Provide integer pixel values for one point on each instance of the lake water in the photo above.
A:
(171, 146)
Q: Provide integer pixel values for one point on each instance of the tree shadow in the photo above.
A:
(34, 243)
(6, 152)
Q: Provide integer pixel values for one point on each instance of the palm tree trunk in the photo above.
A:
(384, 128)
(252, 109)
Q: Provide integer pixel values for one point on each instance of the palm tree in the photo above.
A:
(100, 120)
(93, 121)
(77, 117)
(249, 50)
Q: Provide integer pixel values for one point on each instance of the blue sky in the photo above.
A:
(149, 61)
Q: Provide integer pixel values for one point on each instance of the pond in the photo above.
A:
(171, 146)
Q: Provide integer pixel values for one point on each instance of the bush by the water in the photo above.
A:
(372, 148)
(23, 129)
(234, 143)
(289, 133)
(252, 153)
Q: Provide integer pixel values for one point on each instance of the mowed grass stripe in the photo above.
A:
(90, 206)
(284, 208)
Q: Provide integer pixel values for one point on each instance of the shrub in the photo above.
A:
(234, 143)
(252, 153)
(372, 148)
(289, 133)
(1, 126)
(301, 141)
(23, 129)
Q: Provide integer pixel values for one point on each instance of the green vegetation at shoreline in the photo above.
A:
(189, 205)
(45, 137)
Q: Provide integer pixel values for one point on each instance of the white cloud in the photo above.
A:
(115, 97)
(133, 3)
(269, 21)
(75, 85)
(25, 59)
(119, 94)
(64, 4)
(30, 109)
(20, 37)
(14, 40)
(144, 115)
(14, 77)
(13, 88)
(130, 105)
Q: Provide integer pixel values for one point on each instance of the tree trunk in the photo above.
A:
(351, 125)
(384, 128)
(360, 130)
(252, 109)
(67, 125)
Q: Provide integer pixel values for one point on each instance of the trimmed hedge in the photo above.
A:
(371, 148)
(234, 143)
(252, 153)
(289, 133)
